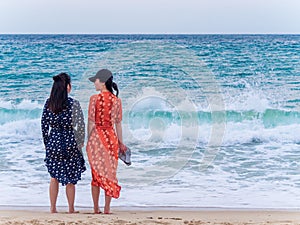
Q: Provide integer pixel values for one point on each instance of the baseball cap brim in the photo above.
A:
(92, 79)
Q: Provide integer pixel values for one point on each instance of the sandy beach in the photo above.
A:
(166, 216)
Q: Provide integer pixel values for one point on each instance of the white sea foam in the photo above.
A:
(20, 129)
(24, 104)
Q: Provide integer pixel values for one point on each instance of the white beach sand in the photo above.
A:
(148, 216)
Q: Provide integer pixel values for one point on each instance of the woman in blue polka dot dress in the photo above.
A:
(63, 133)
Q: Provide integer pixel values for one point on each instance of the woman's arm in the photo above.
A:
(118, 124)
(91, 115)
(79, 123)
(119, 132)
(45, 124)
(120, 136)
(90, 127)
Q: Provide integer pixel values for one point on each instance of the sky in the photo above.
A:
(150, 16)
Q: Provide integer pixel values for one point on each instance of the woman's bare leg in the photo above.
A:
(53, 192)
(96, 195)
(70, 192)
(107, 204)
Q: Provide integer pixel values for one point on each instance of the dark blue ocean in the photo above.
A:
(212, 120)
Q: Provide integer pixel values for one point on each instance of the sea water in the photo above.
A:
(212, 120)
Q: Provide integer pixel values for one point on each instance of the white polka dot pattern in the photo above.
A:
(63, 136)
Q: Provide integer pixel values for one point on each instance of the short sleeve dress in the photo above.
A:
(105, 110)
(63, 137)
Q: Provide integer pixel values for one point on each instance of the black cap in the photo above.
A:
(103, 75)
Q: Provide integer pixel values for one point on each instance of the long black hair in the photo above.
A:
(58, 100)
(110, 85)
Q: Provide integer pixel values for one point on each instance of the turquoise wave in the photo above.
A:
(10, 115)
(269, 118)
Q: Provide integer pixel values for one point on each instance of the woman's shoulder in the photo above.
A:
(73, 101)
(94, 97)
(116, 100)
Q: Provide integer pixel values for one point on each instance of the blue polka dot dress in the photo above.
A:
(63, 136)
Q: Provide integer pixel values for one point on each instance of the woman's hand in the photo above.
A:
(122, 147)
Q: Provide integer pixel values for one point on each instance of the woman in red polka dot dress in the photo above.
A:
(104, 141)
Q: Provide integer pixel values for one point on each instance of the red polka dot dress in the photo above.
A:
(105, 109)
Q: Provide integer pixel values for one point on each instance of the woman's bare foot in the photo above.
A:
(107, 210)
(97, 210)
(53, 210)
